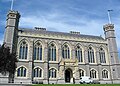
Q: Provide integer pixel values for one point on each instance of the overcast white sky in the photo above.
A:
(85, 16)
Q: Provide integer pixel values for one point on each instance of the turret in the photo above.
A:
(11, 31)
(112, 46)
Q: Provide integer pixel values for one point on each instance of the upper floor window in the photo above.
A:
(52, 52)
(91, 55)
(37, 51)
(23, 51)
(81, 72)
(37, 72)
(93, 73)
(102, 55)
(52, 73)
(78, 54)
(21, 72)
(104, 74)
(65, 52)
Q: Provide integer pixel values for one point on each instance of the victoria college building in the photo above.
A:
(51, 57)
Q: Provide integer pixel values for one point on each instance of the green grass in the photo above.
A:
(78, 85)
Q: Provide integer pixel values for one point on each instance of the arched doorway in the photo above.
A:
(68, 75)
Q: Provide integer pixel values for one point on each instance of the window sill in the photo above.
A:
(106, 79)
(38, 61)
(22, 77)
(53, 61)
(52, 78)
(92, 63)
(81, 63)
(38, 78)
(104, 64)
(23, 60)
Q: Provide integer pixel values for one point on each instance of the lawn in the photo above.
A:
(78, 85)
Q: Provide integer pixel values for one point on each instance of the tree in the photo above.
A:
(7, 62)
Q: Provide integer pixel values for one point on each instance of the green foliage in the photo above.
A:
(7, 60)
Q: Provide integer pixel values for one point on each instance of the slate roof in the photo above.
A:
(60, 33)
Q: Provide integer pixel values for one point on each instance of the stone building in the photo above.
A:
(58, 57)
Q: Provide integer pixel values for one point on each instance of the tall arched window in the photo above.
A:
(102, 55)
(52, 73)
(93, 73)
(52, 52)
(38, 51)
(81, 72)
(37, 72)
(23, 51)
(21, 72)
(65, 52)
(91, 55)
(105, 74)
(78, 54)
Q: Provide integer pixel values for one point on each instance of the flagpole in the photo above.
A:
(11, 5)
(109, 16)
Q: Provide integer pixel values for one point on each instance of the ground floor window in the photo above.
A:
(93, 73)
(81, 72)
(37, 72)
(104, 74)
(21, 72)
(52, 73)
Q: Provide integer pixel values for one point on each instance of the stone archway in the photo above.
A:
(68, 75)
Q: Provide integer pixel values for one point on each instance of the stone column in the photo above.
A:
(99, 65)
(86, 62)
(76, 75)
(30, 65)
(73, 53)
(46, 65)
(86, 56)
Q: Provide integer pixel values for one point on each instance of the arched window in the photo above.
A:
(102, 55)
(38, 51)
(37, 72)
(91, 55)
(78, 54)
(93, 73)
(52, 52)
(82, 73)
(65, 52)
(52, 73)
(23, 51)
(104, 74)
(21, 72)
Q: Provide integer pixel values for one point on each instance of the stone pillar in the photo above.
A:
(30, 64)
(100, 72)
(76, 75)
(86, 62)
(86, 56)
(46, 66)
(97, 57)
(99, 65)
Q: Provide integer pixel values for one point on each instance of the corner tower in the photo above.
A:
(11, 31)
(112, 46)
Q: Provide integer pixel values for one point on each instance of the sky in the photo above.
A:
(84, 16)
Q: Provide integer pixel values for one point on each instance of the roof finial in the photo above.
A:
(11, 5)
(109, 17)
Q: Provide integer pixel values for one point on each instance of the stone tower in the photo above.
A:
(112, 48)
(12, 30)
